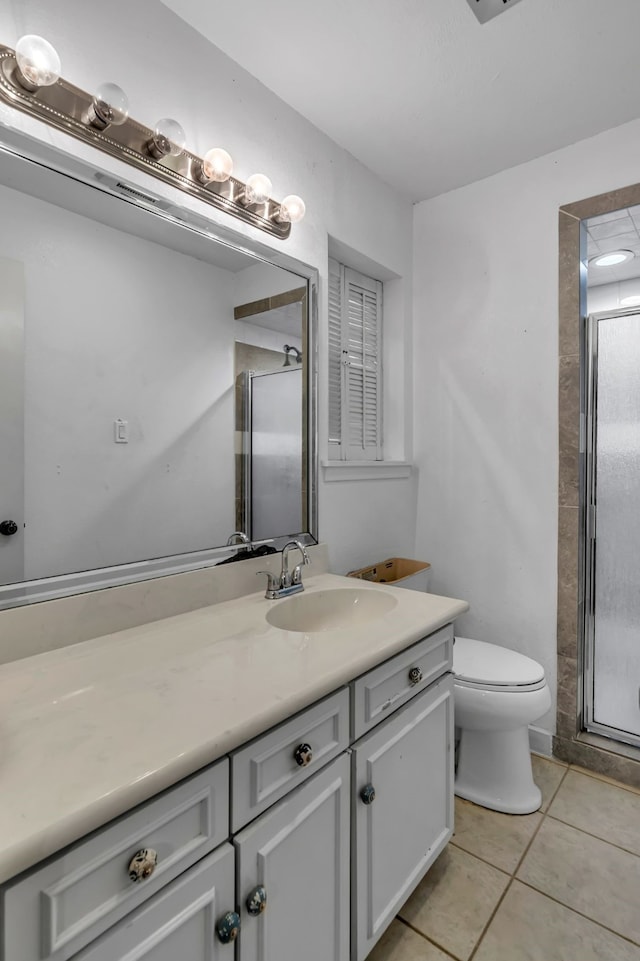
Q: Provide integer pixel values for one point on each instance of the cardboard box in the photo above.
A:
(398, 572)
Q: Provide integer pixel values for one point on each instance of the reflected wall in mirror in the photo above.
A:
(119, 439)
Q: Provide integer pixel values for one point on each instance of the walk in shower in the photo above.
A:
(612, 535)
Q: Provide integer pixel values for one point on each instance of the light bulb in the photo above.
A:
(216, 165)
(110, 107)
(38, 63)
(257, 189)
(168, 139)
(292, 210)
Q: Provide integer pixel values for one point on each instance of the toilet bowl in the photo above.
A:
(497, 693)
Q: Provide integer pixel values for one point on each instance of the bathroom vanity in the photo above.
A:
(210, 783)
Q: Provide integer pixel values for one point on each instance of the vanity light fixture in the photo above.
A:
(30, 81)
(633, 300)
(611, 259)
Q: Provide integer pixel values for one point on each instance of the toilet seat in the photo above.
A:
(489, 667)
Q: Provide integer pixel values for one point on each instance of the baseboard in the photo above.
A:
(540, 742)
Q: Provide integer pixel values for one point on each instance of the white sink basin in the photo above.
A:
(330, 610)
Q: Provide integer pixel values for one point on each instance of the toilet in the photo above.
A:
(497, 693)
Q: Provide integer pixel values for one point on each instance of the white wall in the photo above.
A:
(610, 296)
(169, 70)
(261, 281)
(486, 387)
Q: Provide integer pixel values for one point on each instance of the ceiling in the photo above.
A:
(424, 95)
(617, 230)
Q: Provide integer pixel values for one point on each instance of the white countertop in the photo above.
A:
(91, 730)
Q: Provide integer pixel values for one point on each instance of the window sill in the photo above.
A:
(345, 470)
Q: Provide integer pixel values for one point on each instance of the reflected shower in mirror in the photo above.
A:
(271, 451)
(121, 337)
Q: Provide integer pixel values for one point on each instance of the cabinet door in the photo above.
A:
(408, 761)
(179, 924)
(298, 852)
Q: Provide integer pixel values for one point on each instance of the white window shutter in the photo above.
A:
(355, 369)
(335, 355)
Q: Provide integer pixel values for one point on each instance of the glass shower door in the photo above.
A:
(613, 528)
(275, 482)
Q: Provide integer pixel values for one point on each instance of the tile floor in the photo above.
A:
(562, 884)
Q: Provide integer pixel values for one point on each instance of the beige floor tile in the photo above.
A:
(547, 774)
(600, 808)
(500, 839)
(400, 943)
(530, 927)
(455, 900)
(589, 875)
(604, 777)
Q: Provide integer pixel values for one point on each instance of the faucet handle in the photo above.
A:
(273, 584)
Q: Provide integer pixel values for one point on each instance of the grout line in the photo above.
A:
(580, 914)
(488, 924)
(478, 857)
(517, 867)
(428, 939)
(555, 793)
(596, 837)
(545, 814)
(605, 779)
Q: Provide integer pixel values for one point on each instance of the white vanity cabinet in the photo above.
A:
(303, 842)
(297, 855)
(403, 808)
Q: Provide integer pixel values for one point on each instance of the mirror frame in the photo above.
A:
(34, 151)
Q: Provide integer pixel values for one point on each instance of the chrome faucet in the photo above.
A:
(289, 582)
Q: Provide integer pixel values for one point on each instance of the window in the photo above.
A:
(355, 365)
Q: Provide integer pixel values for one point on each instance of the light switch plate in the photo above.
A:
(488, 9)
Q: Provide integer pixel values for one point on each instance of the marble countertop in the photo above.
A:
(89, 731)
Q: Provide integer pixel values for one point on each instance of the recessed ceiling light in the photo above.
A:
(632, 301)
(611, 259)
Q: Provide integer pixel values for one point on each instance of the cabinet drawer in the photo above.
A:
(62, 906)
(180, 923)
(266, 769)
(387, 687)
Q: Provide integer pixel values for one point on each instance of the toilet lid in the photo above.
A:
(482, 663)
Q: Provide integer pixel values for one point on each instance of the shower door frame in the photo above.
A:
(589, 543)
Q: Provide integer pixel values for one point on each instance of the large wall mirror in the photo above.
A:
(157, 387)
